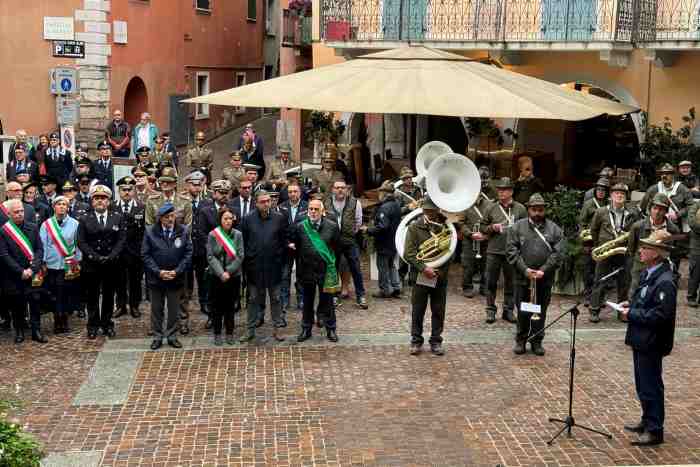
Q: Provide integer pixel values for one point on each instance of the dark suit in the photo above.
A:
(18, 292)
(301, 213)
(31, 168)
(236, 204)
(130, 272)
(204, 220)
(59, 164)
(104, 173)
(101, 247)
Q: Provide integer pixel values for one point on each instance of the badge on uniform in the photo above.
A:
(115, 228)
(643, 293)
(178, 242)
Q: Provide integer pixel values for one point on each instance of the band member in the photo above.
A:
(315, 241)
(499, 217)
(279, 167)
(295, 210)
(650, 332)
(234, 172)
(408, 188)
(473, 241)
(429, 283)
(58, 161)
(534, 250)
(678, 194)
(527, 184)
(609, 223)
(59, 237)
(225, 257)
(688, 178)
(589, 209)
(21, 256)
(200, 158)
(167, 253)
(607, 173)
(265, 239)
(642, 229)
(694, 256)
(322, 180)
(101, 238)
(130, 271)
(387, 217)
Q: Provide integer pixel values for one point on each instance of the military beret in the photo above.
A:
(143, 150)
(166, 208)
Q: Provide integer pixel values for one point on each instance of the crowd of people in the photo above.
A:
(78, 243)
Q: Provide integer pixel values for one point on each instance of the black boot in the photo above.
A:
(19, 335)
(64, 324)
(38, 337)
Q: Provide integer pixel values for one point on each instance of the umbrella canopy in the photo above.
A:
(419, 80)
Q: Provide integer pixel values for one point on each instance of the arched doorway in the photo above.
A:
(135, 100)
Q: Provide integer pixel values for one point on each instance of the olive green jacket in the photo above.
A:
(418, 232)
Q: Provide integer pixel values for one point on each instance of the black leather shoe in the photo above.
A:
(208, 324)
(19, 337)
(156, 344)
(519, 348)
(490, 316)
(649, 439)
(121, 311)
(135, 313)
(638, 428)
(331, 335)
(38, 337)
(109, 332)
(416, 349)
(469, 293)
(259, 322)
(174, 343)
(436, 349)
(305, 334)
(537, 348)
(248, 338)
(396, 293)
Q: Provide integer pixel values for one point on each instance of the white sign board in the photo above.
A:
(120, 32)
(58, 28)
(67, 111)
(63, 80)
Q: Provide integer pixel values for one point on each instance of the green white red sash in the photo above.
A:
(56, 234)
(225, 241)
(16, 234)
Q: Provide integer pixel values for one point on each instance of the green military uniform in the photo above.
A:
(418, 232)
(233, 175)
(182, 203)
(323, 180)
(590, 206)
(198, 158)
(277, 173)
(471, 222)
(694, 256)
(162, 159)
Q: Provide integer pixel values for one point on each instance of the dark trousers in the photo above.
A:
(389, 281)
(419, 303)
(352, 256)
(694, 279)
(257, 298)
(648, 379)
(224, 296)
(326, 310)
(528, 327)
(471, 264)
(285, 287)
(604, 268)
(123, 152)
(494, 265)
(56, 285)
(128, 288)
(160, 297)
(588, 274)
(100, 280)
(17, 304)
(197, 272)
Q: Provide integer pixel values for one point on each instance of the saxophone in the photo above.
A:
(616, 246)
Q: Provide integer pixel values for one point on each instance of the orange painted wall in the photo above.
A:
(25, 100)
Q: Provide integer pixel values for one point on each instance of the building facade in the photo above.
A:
(140, 55)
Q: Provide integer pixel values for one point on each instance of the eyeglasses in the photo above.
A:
(245, 187)
(314, 209)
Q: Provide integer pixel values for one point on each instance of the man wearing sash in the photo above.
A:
(589, 208)
(608, 223)
(21, 256)
(534, 250)
(59, 237)
(473, 241)
(499, 217)
(316, 241)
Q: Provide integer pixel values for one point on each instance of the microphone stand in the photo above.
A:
(569, 422)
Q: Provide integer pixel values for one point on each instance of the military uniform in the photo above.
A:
(234, 175)
(323, 180)
(200, 158)
(681, 200)
(694, 256)
(278, 170)
(472, 220)
(130, 273)
(538, 247)
(690, 181)
(182, 203)
(590, 206)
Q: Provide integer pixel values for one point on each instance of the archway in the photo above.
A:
(135, 100)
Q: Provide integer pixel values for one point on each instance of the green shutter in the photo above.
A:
(252, 9)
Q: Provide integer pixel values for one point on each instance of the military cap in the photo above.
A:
(235, 155)
(682, 163)
(83, 178)
(274, 194)
(293, 172)
(48, 180)
(428, 204)
(195, 177)
(83, 161)
(251, 167)
(59, 199)
(137, 171)
(285, 148)
(69, 186)
(166, 208)
(387, 187)
(28, 185)
(104, 145)
(143, 150)
(604, 182)
(221, 185)
(261, 193)
(406, 172)
(658, 240)
(620, 187)
(168, 175)
(661, 199)
(100, 190)
(666, 168)
(504, 183)
(126, 181)
(54, 135)
(536, 200)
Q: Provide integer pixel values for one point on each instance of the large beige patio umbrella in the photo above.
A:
(418, 80)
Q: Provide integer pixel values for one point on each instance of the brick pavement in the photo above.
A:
(363, 401)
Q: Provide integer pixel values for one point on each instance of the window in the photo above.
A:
(240, 81)
(252, 10)
(202, 90)
(269, 11)
(204, 5)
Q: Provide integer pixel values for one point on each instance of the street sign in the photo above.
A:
(71, 49)
(63, 80)
(67, 111)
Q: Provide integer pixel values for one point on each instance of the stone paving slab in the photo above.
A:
(109, 380)
(73, 459)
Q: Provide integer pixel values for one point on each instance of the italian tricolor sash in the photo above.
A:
(65, 250)
(225, 241)
(19, 238)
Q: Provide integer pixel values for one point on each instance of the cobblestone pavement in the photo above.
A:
(363, 401)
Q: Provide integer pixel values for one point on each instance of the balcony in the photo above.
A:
(508, 24)
(296, 30)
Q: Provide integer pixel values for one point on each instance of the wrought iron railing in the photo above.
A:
(509, 20)
(296, 30)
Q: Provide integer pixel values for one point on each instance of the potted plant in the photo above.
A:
(322, 129)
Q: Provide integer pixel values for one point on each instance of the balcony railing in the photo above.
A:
(296, 30)
(623, 21)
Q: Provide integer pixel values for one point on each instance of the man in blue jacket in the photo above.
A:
(652, 323)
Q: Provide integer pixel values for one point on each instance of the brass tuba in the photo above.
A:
(616, 246)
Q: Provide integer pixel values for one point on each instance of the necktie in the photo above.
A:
(102, 221)
(126, 208)
(245, 207)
